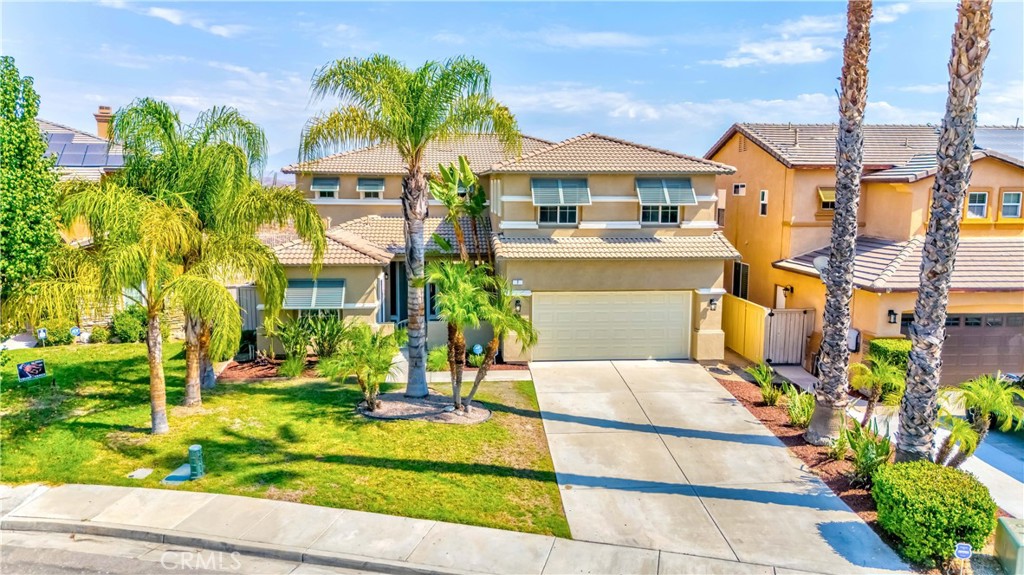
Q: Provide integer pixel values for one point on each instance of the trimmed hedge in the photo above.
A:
(896, 351)
(931, 508)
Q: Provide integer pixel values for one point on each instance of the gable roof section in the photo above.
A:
(925, 166)
(595, 154)
(481, 151)
(388, 232)
(710, 247)
(880, 265)
(343, 248)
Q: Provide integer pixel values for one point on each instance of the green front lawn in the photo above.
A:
(296, 440)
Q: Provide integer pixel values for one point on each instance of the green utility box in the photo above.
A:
(1009, 543)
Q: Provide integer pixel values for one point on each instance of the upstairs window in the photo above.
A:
(559, 215)
(560, 192)
(739, 189)
(325, 187)
(740, 279)
(1011, 204)
(827, 199)
(763, 210)
(659, 214)
(370, 188)
(977, 205)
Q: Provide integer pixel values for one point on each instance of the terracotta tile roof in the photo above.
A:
(925, 166)
(343, 248)
(710, 247)
(78, 136)
(389, 232)
(982, 264)
(594, 154)
(481, 151)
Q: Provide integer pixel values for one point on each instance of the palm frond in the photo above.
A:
(208, 299)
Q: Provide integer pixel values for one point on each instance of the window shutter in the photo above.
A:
(370, 185)
(324, 185)
(330, 294)
(680, 192)
(650, 192)
(545, 192)
(575, 193)
(299, 294)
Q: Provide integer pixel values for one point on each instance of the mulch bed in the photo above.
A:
(265, 370)
(431, 408)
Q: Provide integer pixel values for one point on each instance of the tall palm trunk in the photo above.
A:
(476, 238)
(207, 375)
(919, 408)
(460, 239)
(869, 410)
(457, 359)
(193, 394)
(414, 211)
(157, 386)
(830, 392)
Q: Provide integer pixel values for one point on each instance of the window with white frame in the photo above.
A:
(740, 279)
(977, 205)
(763, 210)
(559, 215)
(370, 188)
(659, 214)
(324, 187)
(739, 189)
(1011, 204)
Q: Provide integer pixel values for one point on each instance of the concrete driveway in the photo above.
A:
(659, 455)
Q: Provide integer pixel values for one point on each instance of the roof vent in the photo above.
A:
(796, 137)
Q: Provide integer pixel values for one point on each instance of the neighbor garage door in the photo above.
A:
(612, 325)
(982, 343)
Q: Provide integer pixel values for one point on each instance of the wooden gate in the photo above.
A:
(786, 335)
(777, 336)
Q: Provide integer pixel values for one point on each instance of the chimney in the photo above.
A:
(103, 116)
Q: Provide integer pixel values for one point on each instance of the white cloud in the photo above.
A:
(1001, 104)
(342, 37)
(810, 25)
(179, 18)
(449, 38)
(562, 37)
(924, 88)
(889, 13)
(127, 57)
(798, 51)
(176, 17)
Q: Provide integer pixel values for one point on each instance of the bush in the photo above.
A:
(476, 359)
(838, 449)
(931, 508)
(870, 450)
(99, 334)
(292, 367)
(58, 331)
(126, 325)
(294, 338)
(326, 334)
(437, 359)
(892, 350)
(763, 375)
(799, 405)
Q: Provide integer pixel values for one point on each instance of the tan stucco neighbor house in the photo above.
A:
(611, 247)
(779, 206)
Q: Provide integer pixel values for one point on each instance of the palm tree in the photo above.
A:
(500, 312)
(367, 356)
(987, 399)
(445, 187)
(139, 244)
(384, 102)
(956, 142)
(962, 437)
(830, 392)
(210, 166)
(880, 381)
(461, 299)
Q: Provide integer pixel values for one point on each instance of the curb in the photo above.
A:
(268, 550)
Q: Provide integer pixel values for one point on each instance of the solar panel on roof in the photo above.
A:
(54, 149)
(115, 161)
(1004, 140)
(71, 160)
(95, 159)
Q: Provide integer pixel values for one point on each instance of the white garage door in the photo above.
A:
(612, 325)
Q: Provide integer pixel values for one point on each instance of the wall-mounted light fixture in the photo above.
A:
(518, 305)
(892, 316)
(788, 290)
(713, 304)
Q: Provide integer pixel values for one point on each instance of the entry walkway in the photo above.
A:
(659, 455)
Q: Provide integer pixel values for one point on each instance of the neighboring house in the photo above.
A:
(779, 211)
(611, 247)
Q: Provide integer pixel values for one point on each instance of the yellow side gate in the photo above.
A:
(778, 336)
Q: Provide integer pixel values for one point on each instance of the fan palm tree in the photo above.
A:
(919, 408)
(385, 102)
(139, 244)
(962, 438)
(880, 381)
(830, 392)
(461, 298)
(987, 399)
(210, 165)
(503, 317)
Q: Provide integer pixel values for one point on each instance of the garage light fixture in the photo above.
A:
(713, 304)
(892, 316)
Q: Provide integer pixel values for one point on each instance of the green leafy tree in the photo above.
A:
(880, 381)
(385, 102)
(367, 356)
(28, 223)
(210, 166)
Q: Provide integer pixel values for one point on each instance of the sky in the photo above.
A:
(673, 75)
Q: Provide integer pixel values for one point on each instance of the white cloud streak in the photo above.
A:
(179, 18)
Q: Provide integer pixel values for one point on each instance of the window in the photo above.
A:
(558, 214)
(827, 199)
(1011, 204)
(311, 313)
(663, 192)
(763, 210)
(906, 320)
(370, 187)
(972, 321)
(977, 205)
(1015, 320)
(431, 297)
(560, 192)
(739, 189)
(994, 321)
(314, 294)
(324, 187)
(740, 279)
(952, 321)
(720, 217)
(659, 214)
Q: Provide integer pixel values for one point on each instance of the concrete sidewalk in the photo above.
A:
(325, 536)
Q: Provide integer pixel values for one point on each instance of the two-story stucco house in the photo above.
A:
(779, 207)
(611, 247)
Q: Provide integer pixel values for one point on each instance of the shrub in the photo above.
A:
(871, 450)
(99, 334)
(437, 359)
(931, 508)
(126, 325)
(476, 359)
(326, 334)
(58, 331)
(294, 338)
(292, 367)
(799, 405)
(763, 375)
(838, 449)
(895, 351)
